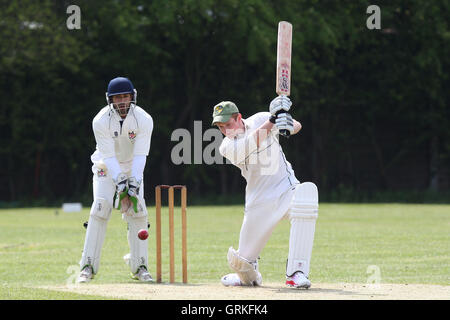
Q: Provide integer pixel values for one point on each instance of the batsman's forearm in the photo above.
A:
(297, 127)
(262, 132)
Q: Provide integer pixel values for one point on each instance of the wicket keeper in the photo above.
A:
(123, 133)
(272, 193)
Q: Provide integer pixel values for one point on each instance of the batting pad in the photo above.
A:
(95, 233)
(302, 215)
(138, 247)
(246, 270)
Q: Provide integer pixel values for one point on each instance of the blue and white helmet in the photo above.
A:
(120, 85)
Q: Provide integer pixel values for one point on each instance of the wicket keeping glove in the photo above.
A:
(133, 191)
(121, 189)
(280, 104)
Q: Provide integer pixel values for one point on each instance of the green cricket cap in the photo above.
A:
(222, 111)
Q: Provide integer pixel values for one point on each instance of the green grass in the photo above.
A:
(408, 243)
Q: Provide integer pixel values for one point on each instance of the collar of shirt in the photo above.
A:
(246, 127)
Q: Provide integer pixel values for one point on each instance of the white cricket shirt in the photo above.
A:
(123, 141)
(266, 170)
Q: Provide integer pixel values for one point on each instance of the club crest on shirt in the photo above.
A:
(101, 173)
(131, 135)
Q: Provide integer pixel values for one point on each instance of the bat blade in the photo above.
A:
(284, 52)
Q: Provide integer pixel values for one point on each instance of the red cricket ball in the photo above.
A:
(143, 234)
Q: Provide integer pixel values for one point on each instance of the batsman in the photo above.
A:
(272, 193)
(123, 133)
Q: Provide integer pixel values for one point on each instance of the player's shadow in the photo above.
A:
(324, 291)
(164, 283)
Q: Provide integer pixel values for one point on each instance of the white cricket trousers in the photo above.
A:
(104, 190)
(259, 222)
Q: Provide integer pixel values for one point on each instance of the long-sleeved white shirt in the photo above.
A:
(123, 141)
(265, 168)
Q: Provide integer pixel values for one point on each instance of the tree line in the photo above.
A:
(374, 104)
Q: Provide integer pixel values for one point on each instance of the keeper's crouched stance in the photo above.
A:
(123, 133)
(272, 192)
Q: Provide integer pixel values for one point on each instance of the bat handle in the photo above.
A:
(285, 133)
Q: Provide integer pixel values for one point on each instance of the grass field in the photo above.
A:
(397, 243)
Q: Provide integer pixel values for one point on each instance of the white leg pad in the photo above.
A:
(95, 233)
(246, 270)
(138, 247)
(302, 215)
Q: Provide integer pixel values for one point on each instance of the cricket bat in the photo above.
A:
(284, 52)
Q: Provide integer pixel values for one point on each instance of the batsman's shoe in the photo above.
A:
(232, 279)
(298, 280)
(142, 275)
(86, 275)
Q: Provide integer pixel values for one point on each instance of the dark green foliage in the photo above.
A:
(374, 104)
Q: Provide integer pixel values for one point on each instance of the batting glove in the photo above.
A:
(284, 122)
(280, 104)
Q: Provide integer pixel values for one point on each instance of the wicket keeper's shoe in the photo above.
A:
(298, 280)
(86, 275)
(232, 279)
(142, 275)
